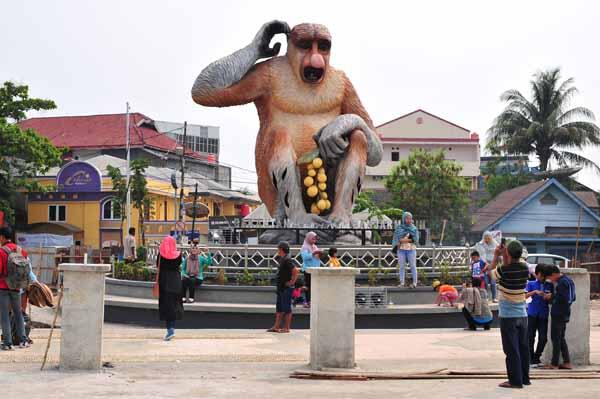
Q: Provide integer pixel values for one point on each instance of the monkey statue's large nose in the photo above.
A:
(317, 61)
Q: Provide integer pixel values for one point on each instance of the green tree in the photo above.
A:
(23, 153)
(545, 125)
(364, 201)
(119, 184)
(429, 186)
(495, 184)
(139, 193)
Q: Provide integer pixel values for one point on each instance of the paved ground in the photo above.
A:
(232, 363)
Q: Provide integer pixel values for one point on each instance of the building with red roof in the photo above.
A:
(421, 129)
(88, 136)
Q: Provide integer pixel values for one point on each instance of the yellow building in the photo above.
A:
(81, 203)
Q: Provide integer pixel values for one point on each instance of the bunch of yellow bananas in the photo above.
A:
(316, 186)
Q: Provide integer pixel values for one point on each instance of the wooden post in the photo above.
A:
(443, 231)
(578, 231)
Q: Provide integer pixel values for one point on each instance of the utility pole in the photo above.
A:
(194, 209)
(182, 171)
(578, 231)
(128, 170)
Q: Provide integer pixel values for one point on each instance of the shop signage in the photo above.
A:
(224, 222)
(79, 176)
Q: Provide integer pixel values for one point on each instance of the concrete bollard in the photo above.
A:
(332, 317)
(82, 316)
(578, 328)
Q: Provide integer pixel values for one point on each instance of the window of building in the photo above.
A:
(216, 209)
(548, 199)
(569, 230)
(57, 213)
(213, 146)
(110, 211)
(395, 156)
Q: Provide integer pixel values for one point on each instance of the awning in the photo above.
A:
(53, 228)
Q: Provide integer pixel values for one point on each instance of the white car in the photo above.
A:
(548, 259)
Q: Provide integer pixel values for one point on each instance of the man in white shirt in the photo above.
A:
(129, 246)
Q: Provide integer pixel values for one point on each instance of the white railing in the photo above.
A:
(239, 257)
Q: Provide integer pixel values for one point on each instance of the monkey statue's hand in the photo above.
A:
(333, 140)
(265, 35)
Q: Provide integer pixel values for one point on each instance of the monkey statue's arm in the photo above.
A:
(333, 137)
(232, 80)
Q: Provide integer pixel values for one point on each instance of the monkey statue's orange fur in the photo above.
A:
(303, 103)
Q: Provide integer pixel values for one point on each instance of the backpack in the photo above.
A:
(17, 269)
(572, 297)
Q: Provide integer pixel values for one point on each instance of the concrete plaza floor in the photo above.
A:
(255, 364)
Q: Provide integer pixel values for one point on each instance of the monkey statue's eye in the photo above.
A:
(324, 45)
(304, 44)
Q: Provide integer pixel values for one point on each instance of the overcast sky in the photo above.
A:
(451, 58)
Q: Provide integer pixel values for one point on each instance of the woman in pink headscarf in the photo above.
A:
(170, 307)
(311, 257)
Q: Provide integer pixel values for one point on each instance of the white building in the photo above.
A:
(200, 138)
(420, 129)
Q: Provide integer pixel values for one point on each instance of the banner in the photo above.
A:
(44, 240)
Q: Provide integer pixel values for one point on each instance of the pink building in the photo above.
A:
(420, 129)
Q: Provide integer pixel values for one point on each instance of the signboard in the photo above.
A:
(224, 222)
(80, 177)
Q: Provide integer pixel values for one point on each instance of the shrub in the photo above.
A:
(221, 279)
(245, 278)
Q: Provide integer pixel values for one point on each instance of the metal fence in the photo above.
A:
(234, 258)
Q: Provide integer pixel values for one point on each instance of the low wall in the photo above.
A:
(253, 294)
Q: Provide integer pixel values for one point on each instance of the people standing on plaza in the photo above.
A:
(511, 278)
(311, 257)
(406, 237)
(286, 280)
(476, 309)
(446, 293)
(563, 297)
(129, 248)
(10, 299)
(486, 248)
(170, 307)
(538, 310)
(333, 259)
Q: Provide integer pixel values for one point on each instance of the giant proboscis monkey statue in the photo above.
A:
(303, 103)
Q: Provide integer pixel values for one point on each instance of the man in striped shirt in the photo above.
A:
(511, 280)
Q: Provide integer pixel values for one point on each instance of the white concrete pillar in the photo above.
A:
(82, 316)
(332, 317)
(578, 327)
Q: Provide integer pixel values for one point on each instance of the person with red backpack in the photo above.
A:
(14, 275)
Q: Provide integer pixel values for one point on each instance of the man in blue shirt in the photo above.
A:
(540, 293)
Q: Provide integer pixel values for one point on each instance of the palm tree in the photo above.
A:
(545, 126)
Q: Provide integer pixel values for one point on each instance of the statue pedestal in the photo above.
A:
(578, 327)
(332, 317)
(82, 316)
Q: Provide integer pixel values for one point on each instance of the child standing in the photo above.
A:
(564, 296)
(538, 310)
(478, 267)
(333, 260)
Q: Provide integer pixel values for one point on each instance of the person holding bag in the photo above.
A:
(168, 285)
